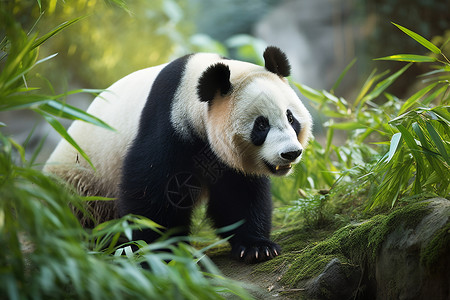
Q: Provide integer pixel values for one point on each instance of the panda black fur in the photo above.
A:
(246, 118)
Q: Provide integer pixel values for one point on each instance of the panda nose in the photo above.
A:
(291, 155)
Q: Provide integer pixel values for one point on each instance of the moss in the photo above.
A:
(294, 239)
(357, 244)
(408, 217)
(436, 248)
(364, 241)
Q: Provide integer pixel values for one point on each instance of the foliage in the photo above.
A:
(416, 129)
(19, 58)
(45, 252)
(356, 243)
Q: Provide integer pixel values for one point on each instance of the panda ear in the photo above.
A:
(215, 78)
(276, 61)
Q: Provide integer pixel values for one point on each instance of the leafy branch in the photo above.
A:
(20, 57)
(418, 130)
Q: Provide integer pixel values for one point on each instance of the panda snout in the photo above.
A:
(291, 155)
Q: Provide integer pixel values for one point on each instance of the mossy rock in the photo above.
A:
(357, 254)
(414, 262)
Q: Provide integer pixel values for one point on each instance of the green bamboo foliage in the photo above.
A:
(416, 130)
(21, 53)
(420, 162)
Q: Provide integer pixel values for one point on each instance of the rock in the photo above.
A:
(413, 261)
(338, 281)
(400, 270)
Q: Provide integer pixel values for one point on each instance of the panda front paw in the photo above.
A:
(255, 251)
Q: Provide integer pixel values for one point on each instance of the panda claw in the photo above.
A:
(258, 251)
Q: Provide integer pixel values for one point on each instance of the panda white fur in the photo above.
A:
(202, 124)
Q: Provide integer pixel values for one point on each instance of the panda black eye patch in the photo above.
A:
(293, 121)
(260, 130)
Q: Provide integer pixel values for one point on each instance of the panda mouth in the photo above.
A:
(279, 169)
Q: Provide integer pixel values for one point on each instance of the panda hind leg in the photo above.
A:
(236, 198)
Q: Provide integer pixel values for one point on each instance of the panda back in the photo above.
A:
(120, 106)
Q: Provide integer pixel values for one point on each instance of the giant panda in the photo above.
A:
(200, 126)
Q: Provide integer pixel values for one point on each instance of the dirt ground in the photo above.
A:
(261, 285)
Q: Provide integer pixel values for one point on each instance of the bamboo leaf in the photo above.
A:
(434, 95)
(408, 58)
(17, 64)
(129, 251)
(383, 85)
(342, 75)
(366, 133)
(121, 4)
(326, 111)
(433, 178)
(310, 93)
(19, 148)
(63, 132)
(414, 98)
(434, 72)
(59, 109)
(330, 134)
(97, 198)
(438, 142)
(21, 101)
(346, 125)
(95, 92)
(37, 151)
(421, 40)
(395, 141)
(413, 147)
(331, 97)
(430, 156)
(12, 288)
(367, 85)
(442, 114)
(45, 59)
(56, 30)
(147, 223)
(419, 133)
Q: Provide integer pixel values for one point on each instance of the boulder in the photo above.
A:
(414, 263)
(338, 281)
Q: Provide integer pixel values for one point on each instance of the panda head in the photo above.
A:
(255, 121)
